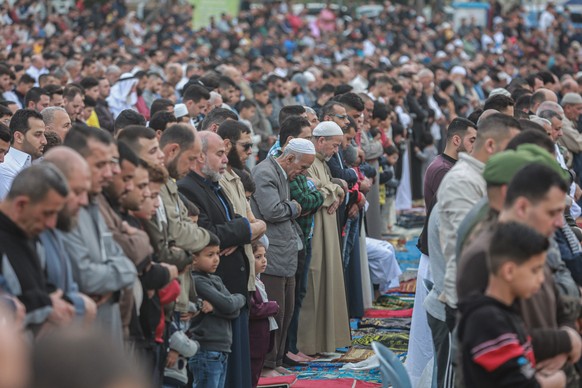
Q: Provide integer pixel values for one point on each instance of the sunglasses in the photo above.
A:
(341, 117)
(246, 146)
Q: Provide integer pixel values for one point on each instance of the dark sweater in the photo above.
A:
(496, 350)
(23, 272)
(213, 331)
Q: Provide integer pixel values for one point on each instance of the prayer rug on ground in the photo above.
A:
(334, 383)
(372, 313)
(356, 354)
(316, 371)
(402, 324)
(397, 342)
(277, 382)
(393, 303)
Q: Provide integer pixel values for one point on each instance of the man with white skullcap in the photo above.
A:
(271, 203)
(324, 315)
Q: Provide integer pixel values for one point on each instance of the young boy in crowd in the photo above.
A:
(181, 348)
(496, 349)
(212, 329)
(262, 316)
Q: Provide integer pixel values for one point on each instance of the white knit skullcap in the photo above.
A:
(327, 128)
(301, 146)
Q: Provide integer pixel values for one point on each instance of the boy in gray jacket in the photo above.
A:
(212, 329)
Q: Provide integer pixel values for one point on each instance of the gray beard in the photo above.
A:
(210, 174)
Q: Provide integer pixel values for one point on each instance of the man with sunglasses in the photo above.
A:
(336, 112)
(238, 143)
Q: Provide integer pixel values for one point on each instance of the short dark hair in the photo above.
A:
(232, 130)
(71, 91)
(217, 116)
(533, 182)
(196, 93)
(89, 82)
(5, 111)
(498, 102)
(127, 153)
(547, 77)
(495, 126)
(160, 121)
(131, 134)
(523, 102)
(516, 243)
(36, 181)
(537, 98)
(327, 89)
(475, 115)
(327, 109)
(89, 102)
(290, 110)
(34, 95)
(180, 134)
(4, 133)
(159, 105)
(343, 89)
(19, 121)
(532, 136)
(245, 104)
(380, 111)
(259, 88)
(549, 114)
(54, 89)
(126, 118)
(213, 241)
(52, 140)
(225, 82)
(292, 127)
(79, 135)
(352, 100)
(26, 79)
(459, 127)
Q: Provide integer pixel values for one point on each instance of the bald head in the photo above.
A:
(569, 86)
(66, 160)
(550, 105)
(486, 114)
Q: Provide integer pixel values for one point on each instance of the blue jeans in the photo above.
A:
(300, 292)
(208, 368)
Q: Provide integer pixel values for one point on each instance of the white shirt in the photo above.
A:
(35, 73)
(14, 162)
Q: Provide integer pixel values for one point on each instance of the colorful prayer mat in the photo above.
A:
(397, 342)
(373, 313)
(385, 323)
(335, 383)
(393, 302)
(356, 354)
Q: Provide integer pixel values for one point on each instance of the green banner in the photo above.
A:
(204, 9)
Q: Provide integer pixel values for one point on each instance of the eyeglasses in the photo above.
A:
(246, 146)
(341, 117)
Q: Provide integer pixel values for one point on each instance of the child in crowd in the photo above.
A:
(212, 329)
(181, 347)
(388, 186)
(262, 312)
(428, 153)
(496, 348)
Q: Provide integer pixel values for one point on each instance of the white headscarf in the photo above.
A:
(122, 97)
